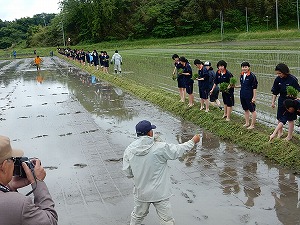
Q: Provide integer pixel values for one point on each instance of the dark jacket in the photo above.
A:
(248, 85)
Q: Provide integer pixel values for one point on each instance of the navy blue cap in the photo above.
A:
(143, 127)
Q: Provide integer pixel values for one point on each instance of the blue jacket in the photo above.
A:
(212, 77)
(248, 85)
(203, 84)
(188, 78)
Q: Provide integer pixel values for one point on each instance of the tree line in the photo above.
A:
(92, 21)
(20, 30)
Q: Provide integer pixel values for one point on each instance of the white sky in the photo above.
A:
(16, 9)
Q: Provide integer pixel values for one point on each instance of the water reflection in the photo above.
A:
(251, 185)
(287, 204)
(99, 97)
(186, 132)
(39, 77)
(228, 174)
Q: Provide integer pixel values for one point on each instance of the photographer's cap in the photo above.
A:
(143, 127)
(6, 151)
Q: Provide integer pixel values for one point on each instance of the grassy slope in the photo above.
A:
(284, 153)
(212, 40)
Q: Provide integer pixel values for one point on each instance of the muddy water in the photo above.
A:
(79, 128)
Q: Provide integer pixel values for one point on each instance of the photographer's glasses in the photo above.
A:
(12, 159)
(9, 159)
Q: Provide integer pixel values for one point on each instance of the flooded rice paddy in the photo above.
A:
(79, 127)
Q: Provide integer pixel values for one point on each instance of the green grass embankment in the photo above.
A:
(285, 39)
(212, 40)
(286, 154)
(254, 40)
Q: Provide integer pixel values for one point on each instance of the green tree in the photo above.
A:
(5, 42)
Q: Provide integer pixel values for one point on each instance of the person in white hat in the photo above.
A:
(17, 208)
(145, 160)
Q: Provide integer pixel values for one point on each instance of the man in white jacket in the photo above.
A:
(145, 160)
(116, 59)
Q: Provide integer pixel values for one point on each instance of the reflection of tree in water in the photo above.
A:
(99, 97)
(5, 80)
(9, 76)
(228, 176)
(287, 202)
(251, 185)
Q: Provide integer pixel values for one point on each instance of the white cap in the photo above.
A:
(207, 63)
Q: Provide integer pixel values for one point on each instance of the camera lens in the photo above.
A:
(18, 168)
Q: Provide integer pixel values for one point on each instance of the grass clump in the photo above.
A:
(195, 76)
(224, 87)
(180, 71)
(291, 92)
(232, 81)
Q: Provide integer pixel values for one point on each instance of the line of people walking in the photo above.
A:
(93, 58)
(210, 83)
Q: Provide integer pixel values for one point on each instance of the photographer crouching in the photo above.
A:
(17, 172)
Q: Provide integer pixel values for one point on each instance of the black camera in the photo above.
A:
(18, 170)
